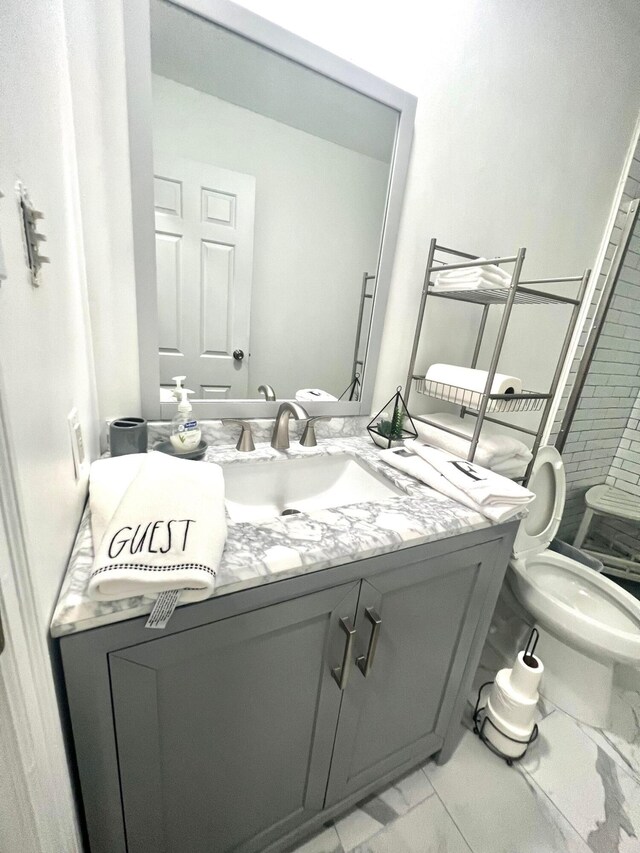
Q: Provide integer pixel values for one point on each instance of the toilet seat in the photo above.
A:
(573, 602)
(549, 485)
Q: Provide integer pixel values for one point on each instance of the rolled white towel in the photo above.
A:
(160, 528)
(404, 460)
(494, 448)
(483, 486)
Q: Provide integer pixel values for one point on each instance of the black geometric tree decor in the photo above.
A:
(393, 422)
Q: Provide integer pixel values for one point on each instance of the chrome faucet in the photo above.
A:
(267, 390)
(280, 437)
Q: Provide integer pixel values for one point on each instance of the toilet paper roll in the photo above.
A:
(473, 380)
(525, 678)
(501, 732)
(510, 707)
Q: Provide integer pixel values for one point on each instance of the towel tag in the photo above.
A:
(163, 609)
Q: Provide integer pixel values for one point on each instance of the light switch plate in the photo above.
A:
(77, 443)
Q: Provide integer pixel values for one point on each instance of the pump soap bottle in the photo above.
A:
(185, 430)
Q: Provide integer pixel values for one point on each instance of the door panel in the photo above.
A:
(204, 219)
(169, 282)
(428, 614)
(225, 731)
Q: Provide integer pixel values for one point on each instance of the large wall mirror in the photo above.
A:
(267, 178)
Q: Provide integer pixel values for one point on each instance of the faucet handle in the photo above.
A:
(309, 435)
(245, 442)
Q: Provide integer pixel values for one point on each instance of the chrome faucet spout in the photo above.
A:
(280, 437)
(267, 390)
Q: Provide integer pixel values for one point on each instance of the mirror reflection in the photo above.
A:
(270, 188)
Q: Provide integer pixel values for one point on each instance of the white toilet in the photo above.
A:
(587, 623)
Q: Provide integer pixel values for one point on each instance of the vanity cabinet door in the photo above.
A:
(225, 731)
(426, 613)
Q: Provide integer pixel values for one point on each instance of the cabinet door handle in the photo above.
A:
(363, 663)
(341, 673)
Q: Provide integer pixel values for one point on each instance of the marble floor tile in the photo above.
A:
(403, 795)
(356, 828)
(598, 797)
(427, 828)
(326, 841)
(376, 812)
(624, 731)
(499, 809)
(623, 753)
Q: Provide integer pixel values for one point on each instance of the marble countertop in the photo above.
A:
(284, 546)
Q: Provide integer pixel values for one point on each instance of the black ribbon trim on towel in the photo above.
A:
(139, 567)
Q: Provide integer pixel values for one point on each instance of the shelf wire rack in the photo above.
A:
(525, 401)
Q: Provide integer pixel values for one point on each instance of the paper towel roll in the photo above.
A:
(472, 379)
(524, 678)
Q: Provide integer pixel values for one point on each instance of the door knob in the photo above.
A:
(238, 354)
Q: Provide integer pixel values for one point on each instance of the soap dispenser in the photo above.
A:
(185, 430)
(177, 391)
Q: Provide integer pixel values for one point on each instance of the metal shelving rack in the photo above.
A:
(358, 363)
(519, 292)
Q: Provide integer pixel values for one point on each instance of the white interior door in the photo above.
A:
(204, 219)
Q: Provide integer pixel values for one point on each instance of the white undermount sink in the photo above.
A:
(258, 491)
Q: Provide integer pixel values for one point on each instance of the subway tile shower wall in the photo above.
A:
(604, 442)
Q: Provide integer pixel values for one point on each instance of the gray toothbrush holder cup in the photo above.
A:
(128, 435)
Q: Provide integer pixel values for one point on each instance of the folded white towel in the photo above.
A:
(489, 271)
(457, 286)
(494, 448)
(512, 468)
(404, 460)
(483, 277)
(158, 524)
(306, 394)
(482, 486)
(110, 478)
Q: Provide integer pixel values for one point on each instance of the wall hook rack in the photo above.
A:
(32, 238)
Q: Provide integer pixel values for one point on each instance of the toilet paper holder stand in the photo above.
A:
(481, 720)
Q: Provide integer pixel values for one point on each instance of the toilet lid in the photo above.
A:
(548, 484)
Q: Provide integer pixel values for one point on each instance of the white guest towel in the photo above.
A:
(402, 459)
(494, 448)
(109, 480)
(158, 524)
(482, 486)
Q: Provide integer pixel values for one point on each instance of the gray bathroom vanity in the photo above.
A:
(256, 716)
